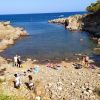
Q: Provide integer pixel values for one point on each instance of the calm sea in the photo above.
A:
(45, 40)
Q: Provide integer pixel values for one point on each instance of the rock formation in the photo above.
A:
(72, 22)
(8, 34)
(86, 22)
(75, 22)
(92, 23)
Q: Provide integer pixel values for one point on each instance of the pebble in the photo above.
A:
(60, 88)
(73, 84)
(98, 75)
(38, 98)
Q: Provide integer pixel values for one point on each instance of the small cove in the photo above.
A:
(45, 40)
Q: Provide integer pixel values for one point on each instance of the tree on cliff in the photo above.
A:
(94, 7)
(98, 1)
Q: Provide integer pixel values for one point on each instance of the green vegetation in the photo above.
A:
(94, 7)
(4, 97)
(7, 97)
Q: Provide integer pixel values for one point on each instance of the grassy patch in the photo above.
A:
(5, 97)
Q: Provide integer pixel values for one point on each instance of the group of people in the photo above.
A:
(17, 82)
(17, 61)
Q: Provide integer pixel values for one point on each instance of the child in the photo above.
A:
(17, 82)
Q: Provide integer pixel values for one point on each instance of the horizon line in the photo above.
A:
(41, 13)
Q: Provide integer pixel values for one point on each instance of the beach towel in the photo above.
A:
(36, 69)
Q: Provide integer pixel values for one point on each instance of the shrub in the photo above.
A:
(94, 7)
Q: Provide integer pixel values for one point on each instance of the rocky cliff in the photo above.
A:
(92, 23)
(86, 22)
(73, 23)
(8, 34)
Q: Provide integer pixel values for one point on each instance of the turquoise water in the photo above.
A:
(46, 40)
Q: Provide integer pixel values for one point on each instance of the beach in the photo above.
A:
(64, 83)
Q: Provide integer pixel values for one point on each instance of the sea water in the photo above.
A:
(47, 40)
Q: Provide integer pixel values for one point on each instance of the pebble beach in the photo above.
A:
(64, 83)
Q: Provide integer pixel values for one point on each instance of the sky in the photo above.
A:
(42, 6)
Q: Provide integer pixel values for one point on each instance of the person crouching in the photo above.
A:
(30, 83)
(17, 82)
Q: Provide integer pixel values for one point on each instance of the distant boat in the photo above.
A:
(61, 16)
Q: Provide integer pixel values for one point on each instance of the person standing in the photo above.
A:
(19, 61)
(15, 60)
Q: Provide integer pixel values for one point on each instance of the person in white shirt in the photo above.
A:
(17, 82)
(16, 60)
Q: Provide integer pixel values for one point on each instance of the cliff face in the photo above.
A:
(74, 22)
(92, 23)
(8, 34)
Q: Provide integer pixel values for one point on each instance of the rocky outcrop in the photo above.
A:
(86, 22)
(72, 23)
(59, 20)
(8, 34)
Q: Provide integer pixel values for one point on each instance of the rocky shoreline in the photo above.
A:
(85, 22)
(8, 34)
(73, 23)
